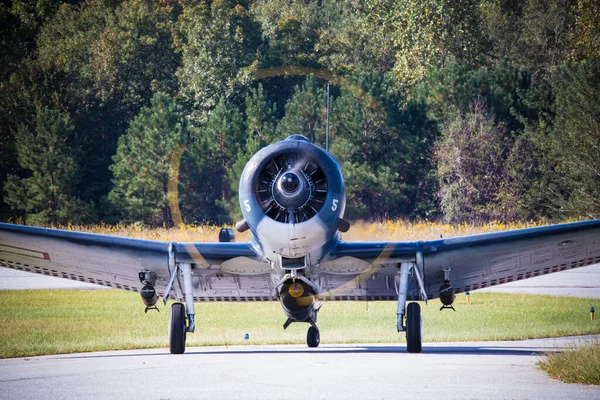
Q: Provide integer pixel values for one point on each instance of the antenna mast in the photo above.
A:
(327, 123)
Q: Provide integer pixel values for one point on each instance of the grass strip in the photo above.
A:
(36, 322)
(576, 365)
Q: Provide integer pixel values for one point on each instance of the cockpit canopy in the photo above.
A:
(298, 137)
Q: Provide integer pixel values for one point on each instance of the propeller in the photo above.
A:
(364, 276)
(291, 188)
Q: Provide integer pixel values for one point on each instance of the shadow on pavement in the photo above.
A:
(400, 349)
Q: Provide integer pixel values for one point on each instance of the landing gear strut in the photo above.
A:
(177, 323)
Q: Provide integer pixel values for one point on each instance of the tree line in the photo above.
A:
(470, 110)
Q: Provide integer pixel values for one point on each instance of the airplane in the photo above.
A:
(292, 198)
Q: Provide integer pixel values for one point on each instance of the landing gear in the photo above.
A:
(414, 328)
(177, 323)
(313, 337)
(177, 329)
(412, 312)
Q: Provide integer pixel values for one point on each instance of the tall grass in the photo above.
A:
(577, 365)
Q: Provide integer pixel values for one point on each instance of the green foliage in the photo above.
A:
(291, 29)
(373, 148)
(103, 60)
(533, 33)
(218, 42)
(533, 64)
(134, 56)
(484, 174)
(260, 132)
(50, 153)
(213, 151)
(305, 113)
(428, 33)
(576, 139)
(356, 38)
(142, 162)
(383, 146)
(469, 157)
(584, 38)
(506, 89)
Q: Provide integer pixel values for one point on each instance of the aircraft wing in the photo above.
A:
(368, 271)
(225, 271)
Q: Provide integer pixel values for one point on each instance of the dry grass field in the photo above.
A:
(398, 230)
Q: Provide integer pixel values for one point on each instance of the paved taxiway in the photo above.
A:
(485, 370)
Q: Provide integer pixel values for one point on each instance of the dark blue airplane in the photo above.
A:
(292, 198)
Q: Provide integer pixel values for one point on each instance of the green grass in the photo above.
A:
(578, 365)
(36, 322)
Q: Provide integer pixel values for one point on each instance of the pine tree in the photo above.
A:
(212, 154)
(260, 132)
(141, 165)
(50, 152)
(575, 142)
(305, 113)
(381, 144)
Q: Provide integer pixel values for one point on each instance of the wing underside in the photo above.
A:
(474, 262)
(222, 271)
(488, 260)
(353, 271)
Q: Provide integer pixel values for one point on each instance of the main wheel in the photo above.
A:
(313, 338)
(177, 329)
(414, 328)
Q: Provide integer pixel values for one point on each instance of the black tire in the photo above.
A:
(177, 329)
(313, 337)
(414, 328)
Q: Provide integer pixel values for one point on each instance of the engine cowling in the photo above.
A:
(292, 197)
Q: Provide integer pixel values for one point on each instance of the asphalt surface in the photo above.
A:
(578, 282)
(498, 370)
(11, 279)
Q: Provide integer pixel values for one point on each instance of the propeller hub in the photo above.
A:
(291, 190)
(289, 182)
